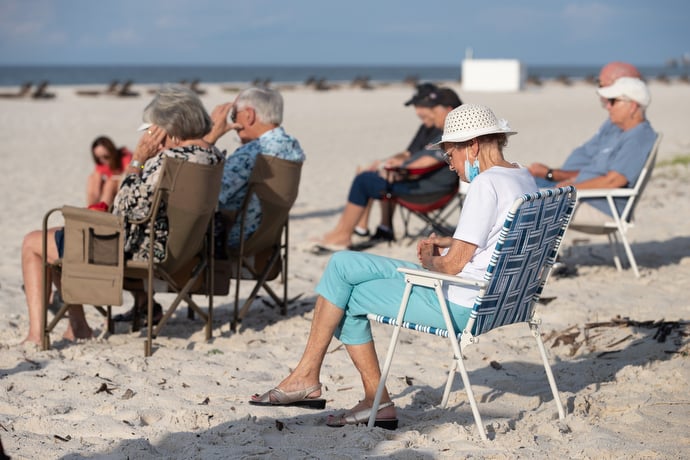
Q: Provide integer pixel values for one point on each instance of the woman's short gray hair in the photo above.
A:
(179, 111)
(266, 102)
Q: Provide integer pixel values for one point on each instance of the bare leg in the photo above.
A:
(364, 220)
(387, 210)
(365, 360)
(326, 319)
(78, 328)
(342, 233)
(94, 184)
(110, 189)
(32, 267)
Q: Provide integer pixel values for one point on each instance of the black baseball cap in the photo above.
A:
(422, 96)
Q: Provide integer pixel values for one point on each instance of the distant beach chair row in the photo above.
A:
(594, 81)
(113, 89)
(319, 84)
(193, 85)
(125, 89)
(41, 92)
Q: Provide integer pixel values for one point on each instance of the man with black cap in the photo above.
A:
(373, 184)
(427, 96)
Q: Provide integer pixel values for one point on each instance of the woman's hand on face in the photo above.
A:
(150, 143)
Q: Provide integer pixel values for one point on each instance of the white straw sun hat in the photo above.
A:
(472, 120)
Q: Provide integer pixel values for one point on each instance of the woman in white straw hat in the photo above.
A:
(355, 284)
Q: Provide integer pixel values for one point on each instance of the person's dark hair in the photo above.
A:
(115, 160)
(179, 111)
(448, 98)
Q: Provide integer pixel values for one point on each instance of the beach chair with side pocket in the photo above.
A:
(93, 267)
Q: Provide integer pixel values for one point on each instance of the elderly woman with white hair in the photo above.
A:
(355, 284)
(175, 124)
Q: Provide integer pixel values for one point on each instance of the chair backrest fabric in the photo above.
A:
(522, 259)
(275, 182)
(642, 180)
(190, 193)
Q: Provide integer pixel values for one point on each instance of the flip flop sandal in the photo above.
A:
(362, 418)
(278, 397)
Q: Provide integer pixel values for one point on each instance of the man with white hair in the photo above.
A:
(256, 115)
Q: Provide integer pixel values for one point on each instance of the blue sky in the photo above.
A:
(385, 32)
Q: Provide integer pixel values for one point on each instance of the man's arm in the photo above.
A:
(612, 179)
(555, 175)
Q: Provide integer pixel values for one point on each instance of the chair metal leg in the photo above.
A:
(470, 395)
(209, 317)
(629, 253)
(389, 356)
(457, 358)
(613, 242)
(284, 272)
(534, 326)
(449, 383)
(45, 332)
(148, 344)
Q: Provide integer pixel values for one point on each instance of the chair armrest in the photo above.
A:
(604, 192)
(414, 172)
(453, 279)
(104, 219)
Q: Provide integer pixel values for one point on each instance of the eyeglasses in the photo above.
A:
(448, 155)
(611, 101)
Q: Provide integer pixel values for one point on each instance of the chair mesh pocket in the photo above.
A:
(103, 249)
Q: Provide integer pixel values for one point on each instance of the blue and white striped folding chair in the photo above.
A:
(513, 282)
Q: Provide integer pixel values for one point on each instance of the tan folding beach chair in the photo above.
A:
(617, 228)
(264, 255)
(93, 268)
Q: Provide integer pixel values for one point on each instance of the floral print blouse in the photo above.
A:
(238, 167)
(134, 199)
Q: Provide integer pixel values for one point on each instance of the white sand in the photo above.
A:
(625, 393)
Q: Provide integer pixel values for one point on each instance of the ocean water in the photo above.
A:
(97, 75)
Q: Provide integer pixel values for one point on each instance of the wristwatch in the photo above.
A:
(549, 175)
(136, 164)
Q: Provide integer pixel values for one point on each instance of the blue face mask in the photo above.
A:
(471, 171)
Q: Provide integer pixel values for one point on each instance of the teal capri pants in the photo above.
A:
(360, 283)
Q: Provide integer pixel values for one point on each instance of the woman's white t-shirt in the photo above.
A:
(484, 210)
